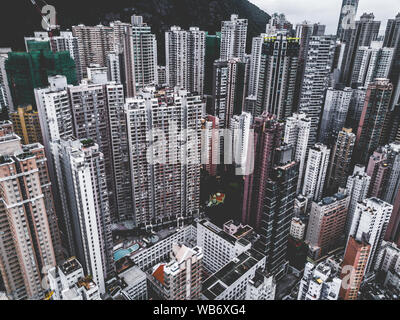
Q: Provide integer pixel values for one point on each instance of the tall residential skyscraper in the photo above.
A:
(356, 256)
(373, 128)
(315, 174)
(337, 102)
(366, 30)
(278, 210)
(119, 151)
(94, 43)
(181, 277)
(370, 63)
(89, 107)
(81, 178)
(297, 133)
(56, 123)
(6, 102)
(357, 190)
(316, 80)
(166, 175)
(228, 90)
(144, 53)
(304, 31)
(233, 38)
(340, 161)
(326, 225)
(267, 137)
(213, 48)
(185, 52)
(391, 181)
(370, 222)
(26, 124)
(277, 73)
(392, 40)
(123, 44)
(355, 108)
(25, 239)
(348, 13)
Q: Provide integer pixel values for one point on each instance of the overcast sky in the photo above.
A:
(327, 11)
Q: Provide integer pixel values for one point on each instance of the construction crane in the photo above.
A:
(50, 27)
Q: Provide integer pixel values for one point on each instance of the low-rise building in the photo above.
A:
(230, 282)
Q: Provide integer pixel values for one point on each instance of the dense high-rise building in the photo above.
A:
(26, 246)
(370, 63)
(233, 38)
(56, 123)
(229, 87)
(318, 65)
(166, 176)
(81, 178)
(123, 44)
(210, 144)
(6, 102)
(373, 128)
(340, 161)
(213, 48)
(384, 170)
(315, 173)
(276, 73)
(304, 32)
(144, 53)
(26, 124)
(366, 30)
(181, 277)
(326, 225)
(185, 53)
(278, 210)
(114, 67)
(119, 150)
(297, 133)
(355, 257)
(355, 108)
(89, 108)
(336, 106)
(93, 43)
(348, 12)
(357, 190)
(370, 222)
(267, 137)
(27, 71)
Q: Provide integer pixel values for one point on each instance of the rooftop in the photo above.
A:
(70, 266)
(230, 273)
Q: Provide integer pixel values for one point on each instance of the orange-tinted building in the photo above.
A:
(356, 256)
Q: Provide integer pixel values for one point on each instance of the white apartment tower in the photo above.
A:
(317, 166)
(357, 190)
(370, 63)
(370, 222)
(184, 53)
(82, 179)
(297, 133)
(318, 66)
(233, 38)
(144, 53)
